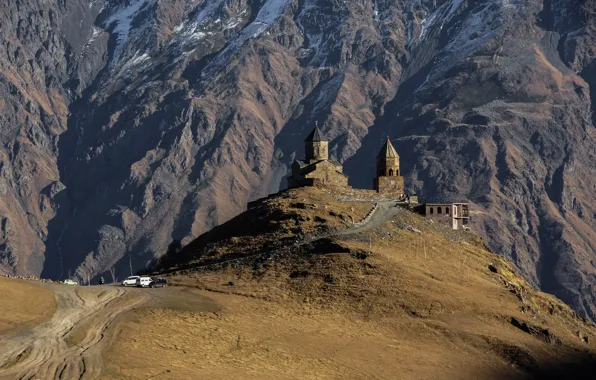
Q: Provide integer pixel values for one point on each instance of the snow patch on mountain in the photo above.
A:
(424, 26)
(376, 11)
(95, 32)
(121, 21)
(442, 15)
(467, 36)
(207, 22)
(208, 9)
(328, 92)
(268, 14)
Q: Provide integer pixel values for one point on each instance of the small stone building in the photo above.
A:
(317, 168)
(456, 215)
(388, 178)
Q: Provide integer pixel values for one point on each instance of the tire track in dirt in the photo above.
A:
(44, 352)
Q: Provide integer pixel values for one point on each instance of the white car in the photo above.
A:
(130, 281)
(70, 282)
(143, 282)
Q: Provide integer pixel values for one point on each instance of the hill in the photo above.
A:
(305, 293)
(307, 283)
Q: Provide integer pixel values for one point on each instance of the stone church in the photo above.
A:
(317, 168)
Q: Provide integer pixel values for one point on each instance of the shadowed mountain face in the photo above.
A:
(125, 124)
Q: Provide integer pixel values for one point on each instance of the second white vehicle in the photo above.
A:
(130, 281)
(143, 282)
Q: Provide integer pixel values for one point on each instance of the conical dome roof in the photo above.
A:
(315, 135)
(388, 151)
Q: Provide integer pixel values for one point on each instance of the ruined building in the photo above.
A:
(317, 168)
(454, 215)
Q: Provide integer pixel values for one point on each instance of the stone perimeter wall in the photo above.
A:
(348, 194)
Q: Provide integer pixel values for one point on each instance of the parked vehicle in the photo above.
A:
(159, 283)
(70, 282)
(143, 282)
(130, 281)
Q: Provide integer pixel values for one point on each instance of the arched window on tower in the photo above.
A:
(432, 210)
(439, 210)
(447, 210)
(390, 172)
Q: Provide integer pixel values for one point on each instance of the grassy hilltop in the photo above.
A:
(305, 294)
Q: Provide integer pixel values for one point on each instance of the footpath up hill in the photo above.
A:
(397, 294)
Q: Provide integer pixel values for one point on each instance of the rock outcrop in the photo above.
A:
(126, 124)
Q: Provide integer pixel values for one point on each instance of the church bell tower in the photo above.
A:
(388, 178)
(316, 146)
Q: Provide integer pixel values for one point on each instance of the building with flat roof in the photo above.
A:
(456, 215)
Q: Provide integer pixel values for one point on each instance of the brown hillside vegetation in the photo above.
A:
(304, 294)
(23, 305)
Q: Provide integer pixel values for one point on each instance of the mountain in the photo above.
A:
(126, 124)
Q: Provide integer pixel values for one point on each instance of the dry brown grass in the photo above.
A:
(24, 305)
(255, 339)
(283, 217)
(399, 304)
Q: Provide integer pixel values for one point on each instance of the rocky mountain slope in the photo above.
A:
(125, 124)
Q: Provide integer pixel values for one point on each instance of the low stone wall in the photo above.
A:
(349, 194)
(367, 216)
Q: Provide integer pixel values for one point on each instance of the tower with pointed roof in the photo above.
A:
(317, 168)
(388, 178)
(316, 147)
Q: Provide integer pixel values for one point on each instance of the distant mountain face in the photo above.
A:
(125, 124)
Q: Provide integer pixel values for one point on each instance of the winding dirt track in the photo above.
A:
(47, 352)
(385, 211)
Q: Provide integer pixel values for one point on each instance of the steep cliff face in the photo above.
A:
(128, 123)
(40, 41)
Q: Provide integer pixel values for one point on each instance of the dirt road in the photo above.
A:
(384, 212)
(69, 345)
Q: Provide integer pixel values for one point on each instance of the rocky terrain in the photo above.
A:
(126, 124)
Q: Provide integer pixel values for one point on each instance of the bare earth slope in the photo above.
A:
(24, 305)
(125, 124)
(69, 345)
